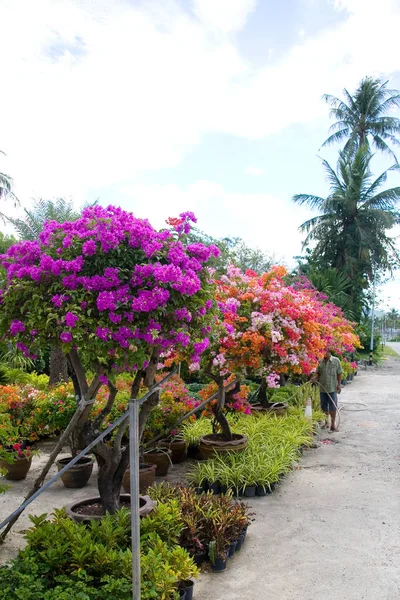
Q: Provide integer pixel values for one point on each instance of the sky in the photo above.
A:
(163, 106)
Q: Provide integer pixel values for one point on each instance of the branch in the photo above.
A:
(79, 371)
(107, 409)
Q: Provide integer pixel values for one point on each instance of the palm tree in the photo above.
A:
(6, 190)
(362, 117)
(350, 232)
(30, 226)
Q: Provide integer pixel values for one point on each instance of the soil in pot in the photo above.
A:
(92, 509)
(79, 474)
(214, 443)
(18, 470)
(160, 458)
(147, 476)
(178, 449)
(219, 565)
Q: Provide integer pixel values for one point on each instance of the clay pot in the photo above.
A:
(160, 458)
(178, 449)
(18, 470)
(215, 444)
(277, 408)
(76, 510)
(147, 476)
(79, 474)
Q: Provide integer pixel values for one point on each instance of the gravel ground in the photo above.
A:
(332, 529)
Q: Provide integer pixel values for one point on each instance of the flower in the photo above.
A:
(71, 319)
(16, 327)
(66, 337)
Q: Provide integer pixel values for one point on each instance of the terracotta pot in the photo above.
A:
(178, 449)
(161, 459)
(146, 506)
(79, 474)
(18, 470)
(147, 476)
(215, 444)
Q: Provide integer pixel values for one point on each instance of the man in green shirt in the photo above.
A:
(329, 376)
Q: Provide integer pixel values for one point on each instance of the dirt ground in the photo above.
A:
(331, 531)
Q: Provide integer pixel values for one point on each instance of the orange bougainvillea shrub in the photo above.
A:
(270, 328)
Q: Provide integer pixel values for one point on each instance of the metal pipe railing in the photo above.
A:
(74, 460)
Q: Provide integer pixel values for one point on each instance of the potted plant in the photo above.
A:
(147, 476)
(113, 294)
(161, 458)
(177, 445)
(79, 474)
(16, 460)
(15, 455)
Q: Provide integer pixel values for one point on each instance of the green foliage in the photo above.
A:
(274, 444)
(234, 251)
(65, 560)
(362, 117)
(207, 520)
(351, 231)
(19, 377)
(31, 225)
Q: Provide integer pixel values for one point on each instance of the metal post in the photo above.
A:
(371, 347)
(134, 473)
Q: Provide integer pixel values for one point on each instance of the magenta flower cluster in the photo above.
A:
(114, 280)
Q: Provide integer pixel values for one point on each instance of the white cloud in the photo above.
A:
(226, 16)
(254, 171)
(95, 93)
(259, 219)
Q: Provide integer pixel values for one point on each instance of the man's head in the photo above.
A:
(328, 353)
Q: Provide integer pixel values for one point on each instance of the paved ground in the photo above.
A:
(332, 532)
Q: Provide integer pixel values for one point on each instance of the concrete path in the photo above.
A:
(332, 531)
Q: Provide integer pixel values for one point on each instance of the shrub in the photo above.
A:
(65, 560)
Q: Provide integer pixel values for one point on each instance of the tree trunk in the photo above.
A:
(262, 393)
(58, 366)
(219, 414)
(109, 485)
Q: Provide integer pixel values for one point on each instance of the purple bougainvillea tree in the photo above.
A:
(115, 295)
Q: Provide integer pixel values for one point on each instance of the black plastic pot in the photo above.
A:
(239, 544)
(215, 487)
(193, 452)
(205, 485)
(223, 489)
(261, 490)
(232, 549)
(199, 490)
(219, 565)
(188, 587)
(182, 594)
(250, 491)
(199, 559)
